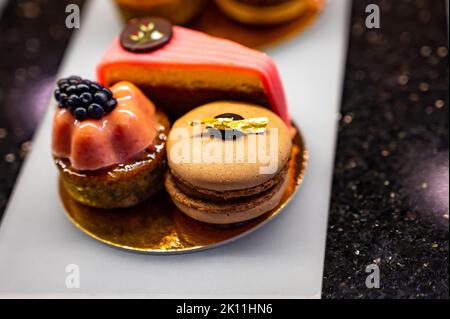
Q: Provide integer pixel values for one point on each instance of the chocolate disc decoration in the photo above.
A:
(235, 134)
(233, 116)
(146, 34)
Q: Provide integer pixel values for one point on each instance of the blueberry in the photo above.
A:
(57, 95)
(80, 113)
(71, 90)
(63, 99)
(95, 111)
(81, 88)
(108, 92)
(111, 105)
(73, 102)
(95, 87)
(86, 98)
(101, 98)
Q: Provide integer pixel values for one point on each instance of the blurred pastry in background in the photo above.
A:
(265, 12)
(177, 11)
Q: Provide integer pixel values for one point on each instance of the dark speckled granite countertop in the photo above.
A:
(390, 201)
(32, 43)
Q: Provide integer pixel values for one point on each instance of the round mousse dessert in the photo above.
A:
(177, 11)
(231, 167)
(108, 144)
(265, 12)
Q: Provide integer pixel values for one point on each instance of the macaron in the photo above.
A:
(225, 166)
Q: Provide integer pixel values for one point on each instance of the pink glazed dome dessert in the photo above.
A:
(108, 144)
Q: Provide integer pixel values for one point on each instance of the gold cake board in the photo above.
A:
(158, 227)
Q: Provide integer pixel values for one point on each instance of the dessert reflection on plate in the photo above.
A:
(230, 162)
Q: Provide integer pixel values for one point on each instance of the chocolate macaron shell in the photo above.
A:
(222, 213)
(221, 175)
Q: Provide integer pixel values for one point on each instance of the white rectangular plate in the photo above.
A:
(283, 259)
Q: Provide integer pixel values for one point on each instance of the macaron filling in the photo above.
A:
(232, 195)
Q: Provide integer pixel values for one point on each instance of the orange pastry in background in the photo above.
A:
(177, 11)
(265, 12)
(109, 145)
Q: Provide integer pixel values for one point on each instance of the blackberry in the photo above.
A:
(95, 87)
(85, 99)
(63, 98)
(62, 81)
(111, 105)
(95, 111)
(58, 95)
(64, 86)
(72, 89)
(73, 102)
(80, 113)
(101, 98)
(82, 88)
(108, 92)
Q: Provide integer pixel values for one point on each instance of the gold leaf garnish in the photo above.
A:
(134, 37)
(146, 33)
(156, 35)
(247, 126)
(147, 28)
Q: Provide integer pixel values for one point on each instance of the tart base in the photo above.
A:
(121, 186)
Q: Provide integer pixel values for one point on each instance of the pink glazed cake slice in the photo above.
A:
(192, 69)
